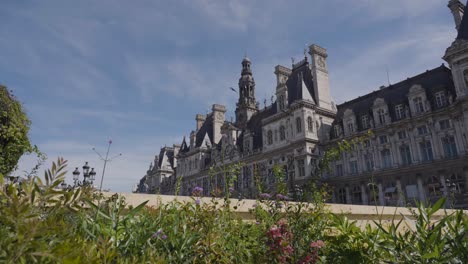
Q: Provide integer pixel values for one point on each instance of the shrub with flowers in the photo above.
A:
(42, 224)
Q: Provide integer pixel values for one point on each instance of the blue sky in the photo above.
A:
(137, 72)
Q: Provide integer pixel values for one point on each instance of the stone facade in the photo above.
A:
(418, 149)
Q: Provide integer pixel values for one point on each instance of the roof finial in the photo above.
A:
(305, 53)
(292, 60)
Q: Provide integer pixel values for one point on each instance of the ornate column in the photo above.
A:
(381, 194)
(421, 194)
(348, 195)
(401, 195)
(364, 194)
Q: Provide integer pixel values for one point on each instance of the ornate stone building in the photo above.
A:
(418, 149)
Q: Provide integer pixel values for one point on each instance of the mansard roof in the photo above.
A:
(431, 81)
(255, 125)
(463, 30)
(296, 91)
(169, 153)
(206, 128)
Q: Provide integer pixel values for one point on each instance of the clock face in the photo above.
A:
(219, 116)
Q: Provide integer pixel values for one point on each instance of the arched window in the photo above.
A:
(270, 137)
(282, 133)
(310, 124)
(298, 125)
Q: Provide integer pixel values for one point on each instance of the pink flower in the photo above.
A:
(317, 244)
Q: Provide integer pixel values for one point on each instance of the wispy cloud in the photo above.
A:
(138, 72)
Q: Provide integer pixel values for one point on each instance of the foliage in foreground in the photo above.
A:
(14, 128)
(42, 224)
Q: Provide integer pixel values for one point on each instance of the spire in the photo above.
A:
(247, 104)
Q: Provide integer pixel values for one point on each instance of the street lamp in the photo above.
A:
(88, 176)
(451, 189)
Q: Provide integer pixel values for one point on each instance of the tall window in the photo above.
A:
(342, 195)
(246, 177)
(441, 99)
(367, 143)
(386, 158)
(298, 125)
(357, 196)
(402, 134)
(339, 170)
(369, 160)
(444, 124)
(400, 111)
(422, 130)
(450, 148)
(282, 133)
(405, 154)
(383, 139)
(353, 167)
(270, 137)
(426, 151)
(301, 167)
(418, 105)
(310, 124)
(365, 121)
(381, 115)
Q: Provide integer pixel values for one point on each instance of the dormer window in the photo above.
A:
(270, 137)
(418, 105)
(282, 133)
(350, 127)
(337, 131)
(400, 111)
(381, 116)
(365, 122)
(441, 99)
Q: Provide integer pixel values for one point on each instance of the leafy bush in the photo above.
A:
(40, 223)
(14, 128)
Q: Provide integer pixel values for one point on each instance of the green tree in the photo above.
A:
(14, 128)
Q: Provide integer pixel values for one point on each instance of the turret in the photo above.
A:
(247, 105)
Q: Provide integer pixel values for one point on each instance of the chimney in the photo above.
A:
(320, 75)
(218, 121)
(176, 152)
(457, 9)
(200, 120)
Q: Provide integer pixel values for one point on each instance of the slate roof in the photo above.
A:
(207, 127)
(295, 92)
(463, 30)
(169, 153)
(255, 126)
(183, 147)
(432, 81)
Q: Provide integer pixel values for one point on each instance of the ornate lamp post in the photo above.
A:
(451, 190)
(88, 176)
